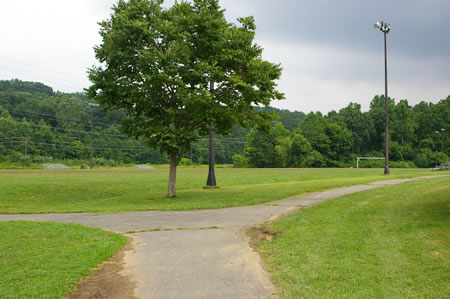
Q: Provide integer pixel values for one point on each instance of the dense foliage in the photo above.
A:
(58, 128)
(179, 72)
(419, 136)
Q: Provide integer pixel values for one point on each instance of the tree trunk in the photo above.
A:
(172, 175)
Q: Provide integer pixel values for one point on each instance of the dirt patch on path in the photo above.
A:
(106, 280)
(259, 233)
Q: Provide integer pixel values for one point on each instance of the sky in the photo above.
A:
(330, 52)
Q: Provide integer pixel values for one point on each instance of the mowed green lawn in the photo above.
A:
(115, 190)
(47, 260)
(391, 242)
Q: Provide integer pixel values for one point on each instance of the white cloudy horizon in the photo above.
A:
(330, 53)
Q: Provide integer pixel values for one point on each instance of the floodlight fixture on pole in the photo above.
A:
(385, 28)
(91, 158)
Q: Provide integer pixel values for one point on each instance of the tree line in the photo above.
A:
(419, 137)
(57, 126)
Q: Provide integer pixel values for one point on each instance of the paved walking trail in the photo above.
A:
(206, 255)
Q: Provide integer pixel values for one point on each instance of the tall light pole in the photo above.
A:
(385, 28)
(91, 158)
(211, 181)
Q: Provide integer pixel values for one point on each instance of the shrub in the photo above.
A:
(104, 162)
(438, 158)
(42, 159)
(20, 159)
(240, 161)
(427, 158)
(315, 159)
(371, 164)
(402, 164)
(335, 164)
(185, 162)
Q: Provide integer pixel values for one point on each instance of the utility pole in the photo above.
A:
(211, 182)
(26, 144)
(91, 158)
(385, 28)
(386, 110)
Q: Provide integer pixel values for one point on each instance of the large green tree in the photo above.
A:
(260, 149)
(178, 71)
(376, 118)
(403, 123)
(356, 122)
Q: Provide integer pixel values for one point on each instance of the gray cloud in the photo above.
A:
(418, 27)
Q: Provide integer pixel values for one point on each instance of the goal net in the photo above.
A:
(358, 159)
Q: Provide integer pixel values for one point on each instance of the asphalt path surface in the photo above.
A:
(198, 254)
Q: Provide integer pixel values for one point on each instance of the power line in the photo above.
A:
(69, 144)
(39, 67)
(75, 131)
(47, 115)
(10, 142)
(223, 140)
(11, 137)
(110, 124)
(38, 77)
(30, 142)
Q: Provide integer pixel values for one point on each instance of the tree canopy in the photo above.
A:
(160, 65)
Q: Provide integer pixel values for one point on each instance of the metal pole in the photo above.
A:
(211, 181)
(386, 161)
(26, 144)
(91, 160)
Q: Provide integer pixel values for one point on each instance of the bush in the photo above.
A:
(427, 158)
(103, 162)
(86, 162)
(314, 159)
(371, 164)
(20, 159)
(396, 151)
(402, 164)
(185, 162)
(240, 161)
(42, 159)
(438, 158)
(335, 164)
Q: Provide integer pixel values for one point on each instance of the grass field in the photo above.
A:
(114, 190)
(392, 242)
(47, 260)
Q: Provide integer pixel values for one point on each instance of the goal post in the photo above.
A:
(367, 158)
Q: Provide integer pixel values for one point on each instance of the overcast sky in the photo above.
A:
(329, 50)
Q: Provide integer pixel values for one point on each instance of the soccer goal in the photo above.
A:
(367, 158)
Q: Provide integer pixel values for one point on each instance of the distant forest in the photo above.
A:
(40, 125)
